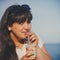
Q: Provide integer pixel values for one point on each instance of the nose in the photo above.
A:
(27, 26)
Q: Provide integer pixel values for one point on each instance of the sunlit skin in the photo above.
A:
(20, 29)
(16, 25)
(18, 32)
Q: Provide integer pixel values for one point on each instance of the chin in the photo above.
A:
(24, 37)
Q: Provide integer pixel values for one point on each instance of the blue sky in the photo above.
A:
(46, 17)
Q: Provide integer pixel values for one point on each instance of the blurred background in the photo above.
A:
(46, 21)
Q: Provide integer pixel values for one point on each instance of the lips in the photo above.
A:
(24, 33)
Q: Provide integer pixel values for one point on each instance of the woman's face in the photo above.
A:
(20, 30)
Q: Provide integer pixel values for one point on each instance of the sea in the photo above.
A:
(54, 50)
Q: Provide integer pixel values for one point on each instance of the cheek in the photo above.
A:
(16, 31)
(30, 26)
(15, 28)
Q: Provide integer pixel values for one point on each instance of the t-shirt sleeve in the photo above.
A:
(40, 43)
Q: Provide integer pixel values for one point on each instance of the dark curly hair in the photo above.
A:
(14, 13)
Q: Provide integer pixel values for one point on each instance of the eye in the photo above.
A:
(21, 23)
(28, 22)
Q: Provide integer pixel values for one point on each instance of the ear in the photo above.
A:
(9, 28)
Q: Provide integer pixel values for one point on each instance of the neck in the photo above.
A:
(16, 40)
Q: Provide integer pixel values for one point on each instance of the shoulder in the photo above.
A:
(41, 43)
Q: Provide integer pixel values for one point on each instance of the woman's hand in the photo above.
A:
(29, 55)
(33, 38)
(30, 51)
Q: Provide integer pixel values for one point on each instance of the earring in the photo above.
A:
(9, 28)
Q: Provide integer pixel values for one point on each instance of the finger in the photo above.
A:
(29, 53)
(31, 57)
(32, 35)
(33, 40)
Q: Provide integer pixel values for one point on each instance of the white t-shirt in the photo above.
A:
(21, 52)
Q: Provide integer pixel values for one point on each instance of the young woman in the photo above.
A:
(15, 27)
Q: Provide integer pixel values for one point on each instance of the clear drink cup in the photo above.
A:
(30, 46)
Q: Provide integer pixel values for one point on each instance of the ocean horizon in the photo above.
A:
(54, 50)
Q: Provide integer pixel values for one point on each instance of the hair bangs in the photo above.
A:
(23, 17)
